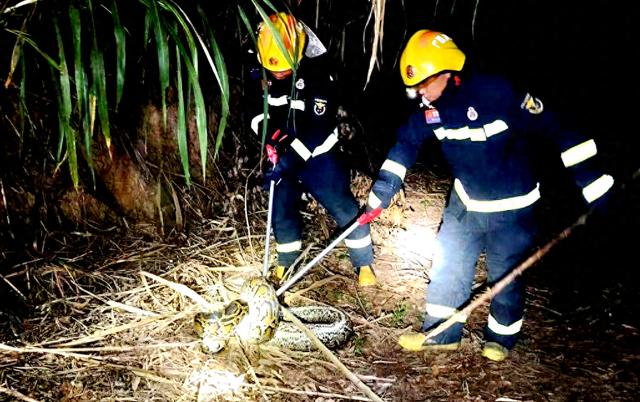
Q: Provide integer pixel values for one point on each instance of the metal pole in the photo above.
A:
(265, 262)
(315, 260)
(362, 219)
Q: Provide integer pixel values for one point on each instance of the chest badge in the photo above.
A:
(319, 106)
(432, 116)
(533, 105)
(300, 84)
(472, 114)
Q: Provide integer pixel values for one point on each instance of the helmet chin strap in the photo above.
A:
(412, 93)
(426, 102)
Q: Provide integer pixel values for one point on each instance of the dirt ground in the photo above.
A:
(580, 338)
(102, 333)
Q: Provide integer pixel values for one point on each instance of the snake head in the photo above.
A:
(207, 327)
(217, 327)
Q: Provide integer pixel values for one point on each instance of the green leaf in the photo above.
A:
(121, 52)
(265, 92)
(293, 62)
(223, 81)
(64, 108)
(200, 107)
(99, 83)
(181, 126)
(34, 45)
(163, 55)
(81, 83)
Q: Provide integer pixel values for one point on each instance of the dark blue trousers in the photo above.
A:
(327, 179)
(506, 238)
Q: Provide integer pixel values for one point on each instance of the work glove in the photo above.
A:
(283, 167)
(383, 191)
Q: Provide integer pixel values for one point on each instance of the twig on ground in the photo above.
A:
(16, 394)
(325, 351)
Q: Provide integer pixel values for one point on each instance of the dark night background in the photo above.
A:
(577, 56)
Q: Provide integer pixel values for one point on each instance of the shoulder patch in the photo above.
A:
(532, 104)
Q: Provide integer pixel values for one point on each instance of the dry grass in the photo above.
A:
(115, 322)
(120, 327)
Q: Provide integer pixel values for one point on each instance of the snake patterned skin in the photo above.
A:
(255, 317)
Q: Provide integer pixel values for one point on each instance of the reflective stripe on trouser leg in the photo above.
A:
(360, 246)
(328, 180)
(508, 244)
(452, 273)
(287, 225)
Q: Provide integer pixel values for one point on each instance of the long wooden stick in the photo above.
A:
(501, 284)
(321, 347)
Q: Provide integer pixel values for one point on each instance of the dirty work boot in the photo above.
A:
(277, 273)
(494, 351)
(366, 276)
(417, 342)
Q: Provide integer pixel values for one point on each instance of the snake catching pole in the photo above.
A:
(273, 157)
(362, 220)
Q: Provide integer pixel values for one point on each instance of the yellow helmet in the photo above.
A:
(428, 53)
(293, 37)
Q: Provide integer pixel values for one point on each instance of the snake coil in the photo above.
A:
(255, 318)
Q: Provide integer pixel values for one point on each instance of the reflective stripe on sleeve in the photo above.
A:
(504, 204)
(289, 247)
(444, 312)
(473, 134)
(256, 121)
(395, 168)
(579, 153)
(500, 329)
(373, 201)
(301, 149)
(597, 188)
(326, 146)
(358, 243)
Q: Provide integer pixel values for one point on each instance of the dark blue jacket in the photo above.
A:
(304, 109)
(486, 128)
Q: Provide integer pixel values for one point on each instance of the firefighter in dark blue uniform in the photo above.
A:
(486, 128)
(302, 127)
